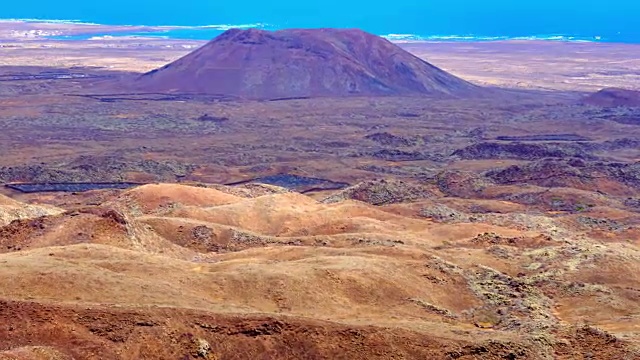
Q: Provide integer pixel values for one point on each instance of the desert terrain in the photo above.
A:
(501, 224)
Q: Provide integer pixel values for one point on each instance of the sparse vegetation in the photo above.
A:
(501, 223)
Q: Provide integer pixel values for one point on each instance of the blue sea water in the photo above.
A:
(197, 33)
(403, 20)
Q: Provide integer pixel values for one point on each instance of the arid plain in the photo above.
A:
(502, 225)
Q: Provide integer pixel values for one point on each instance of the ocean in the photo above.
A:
(211, 31)
(400, 20)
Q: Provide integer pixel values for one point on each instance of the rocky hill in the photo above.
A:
(301, 63)
(614, 97)
(168, 271)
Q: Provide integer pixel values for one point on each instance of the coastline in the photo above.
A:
(34, 29)
(71, 30)
(519, 64)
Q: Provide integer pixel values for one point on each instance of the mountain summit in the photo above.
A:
(614, 97)
(260, 64)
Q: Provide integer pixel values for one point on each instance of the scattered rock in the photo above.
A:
(574, 173)
(434, 308)
(382, 192)
(545, 137)
(602, 224)
(202, 348)
(445, 214)
(522, 151)
(387, 139)
(202, 234)
(95, 169)
(214, 119)
(464, 184)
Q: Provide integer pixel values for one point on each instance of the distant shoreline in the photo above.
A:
(70, 30)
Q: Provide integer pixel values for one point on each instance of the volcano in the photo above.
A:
(257, 64)
(614, 97)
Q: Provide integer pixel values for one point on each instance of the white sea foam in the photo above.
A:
(49, 21)
(222, 27)
(408, 38)
(229, 27)
(125, 37)
(398, 38)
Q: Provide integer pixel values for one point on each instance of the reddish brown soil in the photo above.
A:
(161, 271)
(41, 331)
(476, 245)
(162, 333)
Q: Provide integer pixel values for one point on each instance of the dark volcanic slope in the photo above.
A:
(301, 63)
(613, 97)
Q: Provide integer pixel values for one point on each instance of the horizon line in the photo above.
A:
(394, 37)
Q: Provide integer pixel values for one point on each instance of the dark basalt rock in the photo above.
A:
(382, 192)
(400, 155)
(567, 173)
(296, 182)
(522, 151)
(95, 169)
(68, 187)
(388, 139)
(545, 137)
